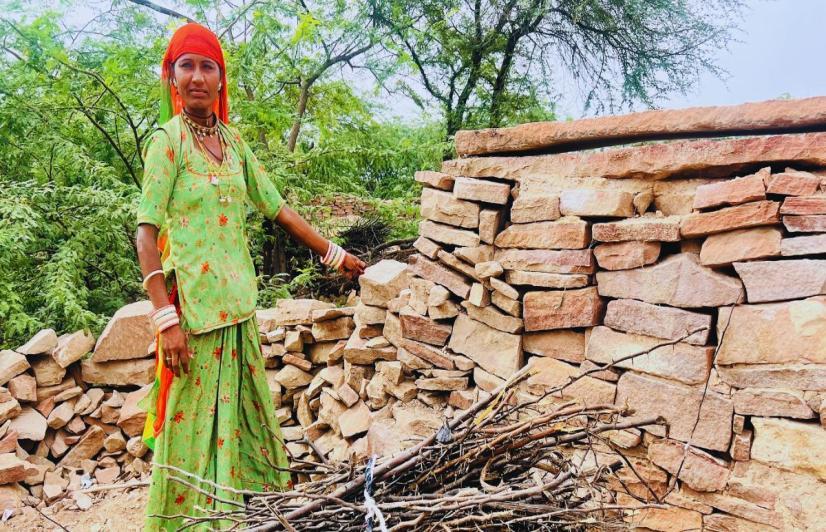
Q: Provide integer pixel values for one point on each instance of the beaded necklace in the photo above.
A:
(213, 168)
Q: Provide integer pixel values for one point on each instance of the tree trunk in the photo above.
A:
(303, 96)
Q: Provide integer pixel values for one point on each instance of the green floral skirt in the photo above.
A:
(220, 425)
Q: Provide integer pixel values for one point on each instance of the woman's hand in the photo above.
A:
(175, 350)
(352, 267)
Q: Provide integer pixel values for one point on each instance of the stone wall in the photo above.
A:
(704, 257)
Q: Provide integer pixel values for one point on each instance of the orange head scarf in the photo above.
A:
(191, 38)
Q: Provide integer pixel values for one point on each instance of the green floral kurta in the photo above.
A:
(220, 421)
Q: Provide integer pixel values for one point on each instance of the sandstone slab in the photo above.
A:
(790, 445)
(118, 372)
(643, 229)
(443, 207)
(739, 217)
(678, 281)
(681, 406)
(681, 362)
(676, 196)
(335, 329)
(546, 280)
(47, 372)
(357, 351)
(771, 115)
(699, 470)
(9, 409)
(547, 260)
(550, 375)
(72, 347)
(23, 388)
(422, 329)
(475, 254)
(427, 353)
(772, 403)
(427, 247)
(805, 205)
(493, 318)
(30, 425)
(793, 183)
(42, 342)
(89, 445)
(710, 158)
(481, 190)
(383, 281)
(783, 279)
(803, 245)
(592, 202)
(661, 322)
(815, 223)
(776, 376)
(489, 223)
(434, 179)
(733, 191)
(447, 234)
(773, 333)
(12, 364)
(535, 208)
(560, 344)
(626, 255)
(741, 244)
(568, 232)
(495, 351)
(127, 334)
(562, 309)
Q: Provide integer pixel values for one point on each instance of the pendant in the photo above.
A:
(224, 199)
(213, 179)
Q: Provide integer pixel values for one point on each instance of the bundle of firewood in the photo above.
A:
(503, 464)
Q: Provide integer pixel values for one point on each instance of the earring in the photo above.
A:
(175, 82)
(220, 86)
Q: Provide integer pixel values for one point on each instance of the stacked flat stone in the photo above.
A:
(707, 255)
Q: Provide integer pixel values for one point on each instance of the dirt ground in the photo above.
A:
(115, 511)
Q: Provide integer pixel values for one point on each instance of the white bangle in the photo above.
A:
(169, 323)
(149, 276)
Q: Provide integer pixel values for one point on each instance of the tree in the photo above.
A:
(489, 63)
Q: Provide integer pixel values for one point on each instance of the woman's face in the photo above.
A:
(198, 78)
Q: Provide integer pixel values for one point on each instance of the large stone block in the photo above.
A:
(709, 158)
(793, 183)
(661, 322)
(775, 376)
(289, 312)
(568, 232)
(679, 281)
(643, 229)
(702, 419)
(434, 179)
(561, 344)
(72, 347)
(490, 221)
(790, 445)
(742, 216)
(626, 255)
(481, 190)
(546, 280)
(547, 260)
(42, 342)
(562, 309)
(783, 279)
(803, 245)
(495, 351)
(592, 202)
(772, 403)
(771, 115)
(127, 335)
(676, 196)
(12, 364)
(447, 234)
(535, 208)
(118, 372)
(699, 470)
(733, 191)
(550, 375)
(741, 244)
(682, 362)
(422, 329)
(441, 206)
(773, 333)
(383, 281)
(815, 223)
(805, 205)
(493, 318)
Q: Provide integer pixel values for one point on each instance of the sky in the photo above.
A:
(781, 52)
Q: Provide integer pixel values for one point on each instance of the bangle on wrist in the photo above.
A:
(149, 276)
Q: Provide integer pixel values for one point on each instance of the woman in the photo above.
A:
(210, 409)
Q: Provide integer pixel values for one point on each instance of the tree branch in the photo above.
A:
(163, 10)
